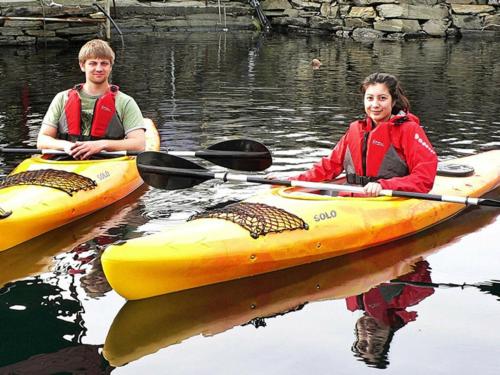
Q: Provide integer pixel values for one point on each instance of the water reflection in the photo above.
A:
(384, 312)
(73, 248)
(42, 321)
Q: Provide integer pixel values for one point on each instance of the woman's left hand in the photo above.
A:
(372, 189)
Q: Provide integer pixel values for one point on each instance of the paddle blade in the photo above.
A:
(239, 154)
(169, 172)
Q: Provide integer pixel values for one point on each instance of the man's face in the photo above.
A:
(96, 70)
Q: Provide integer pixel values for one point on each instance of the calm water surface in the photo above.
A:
(57, 312)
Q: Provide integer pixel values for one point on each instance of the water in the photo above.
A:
(56, 306)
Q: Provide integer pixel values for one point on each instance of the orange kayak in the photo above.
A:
(215, 249)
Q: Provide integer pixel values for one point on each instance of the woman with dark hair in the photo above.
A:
(388, 149)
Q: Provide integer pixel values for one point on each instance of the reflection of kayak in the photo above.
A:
(72, 359)
(210, 250)
(36, 256)
(71, 189)
(143, 327)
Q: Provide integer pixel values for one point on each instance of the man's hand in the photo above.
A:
(84, 150)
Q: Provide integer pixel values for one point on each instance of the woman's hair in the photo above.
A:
(373, 341)
(401, 102)
(97, 49)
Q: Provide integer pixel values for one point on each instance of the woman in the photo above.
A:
(387, 150)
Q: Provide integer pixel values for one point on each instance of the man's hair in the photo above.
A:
(96, 49)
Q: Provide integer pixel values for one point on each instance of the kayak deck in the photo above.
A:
(210, 250)
(35, 209)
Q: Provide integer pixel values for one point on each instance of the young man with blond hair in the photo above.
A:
(94, 116)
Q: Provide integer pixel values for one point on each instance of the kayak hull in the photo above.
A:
(38, 209)
(207, 251)
(170, 319)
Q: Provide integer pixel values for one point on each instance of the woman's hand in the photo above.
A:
(372, 189)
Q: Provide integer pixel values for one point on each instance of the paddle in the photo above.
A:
(492, 287)
(239, 154)
(173, 173)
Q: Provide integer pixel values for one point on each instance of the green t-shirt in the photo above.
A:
(126, 108)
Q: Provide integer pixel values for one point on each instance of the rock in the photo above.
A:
(427, 13)
(362, 12)
(363, 3)
(26, 40)
(329, 11)
(467, 22)
(291, 12)
(397, 25)
(471, 9)
(416, 12)
(391, 11)
(492, 22)
(328, 24)
(11, 31)
(460, 1)
(40, 33)
(78, 30)
(21, 24)
(353, 23)
(436, 27)
(366, 35)
(306, 4)
(275, 5)
(52, 40)
(56, 25)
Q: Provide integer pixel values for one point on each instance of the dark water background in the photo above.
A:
(57, 311)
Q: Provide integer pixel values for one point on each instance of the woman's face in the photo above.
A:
(378, 102)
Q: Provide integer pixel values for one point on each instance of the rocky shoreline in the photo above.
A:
(25, 22)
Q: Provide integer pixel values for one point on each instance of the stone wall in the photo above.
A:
(175, 15)
(25, 22)
(31, 24)
(388, 19)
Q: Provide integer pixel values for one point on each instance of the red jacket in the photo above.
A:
(388, 302)
(396, 153)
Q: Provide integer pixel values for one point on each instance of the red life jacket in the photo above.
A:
(373, 144)
(388, 303)
(105, 120)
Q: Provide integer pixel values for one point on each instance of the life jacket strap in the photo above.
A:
(354, 179)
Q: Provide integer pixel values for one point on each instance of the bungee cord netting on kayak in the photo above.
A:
(259, 219)
(68, 182)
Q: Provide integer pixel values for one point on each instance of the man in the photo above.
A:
(93, 116)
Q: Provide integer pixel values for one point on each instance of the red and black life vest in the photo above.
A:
(105, 120)
(376, 145)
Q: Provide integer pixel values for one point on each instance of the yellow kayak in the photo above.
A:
(64, 191)
(36, 256)
(146, 326)
(304, 227)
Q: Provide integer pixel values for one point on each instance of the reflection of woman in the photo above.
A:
(373, 339)
(384, 313)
